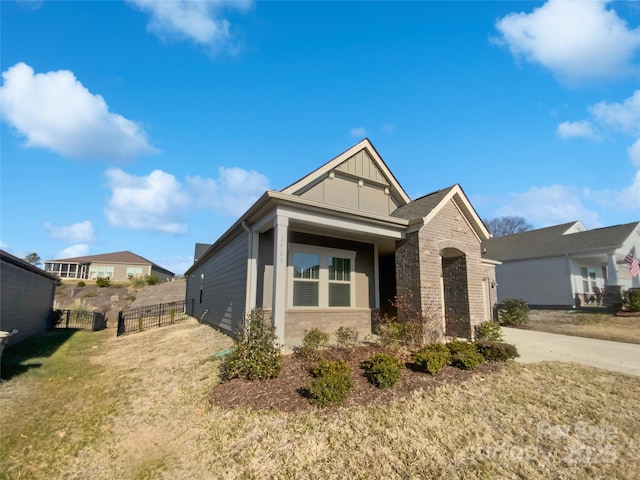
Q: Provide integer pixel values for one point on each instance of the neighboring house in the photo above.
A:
(118, 266)
(335, 248)
(566, 265)
(26, 297)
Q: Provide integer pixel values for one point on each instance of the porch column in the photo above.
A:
(612, 270)
(279, 299)
(252, 270)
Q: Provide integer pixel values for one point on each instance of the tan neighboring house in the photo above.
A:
(334, 248)
(117, 266)
(26, 297)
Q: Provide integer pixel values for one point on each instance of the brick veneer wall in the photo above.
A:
(329, 320)
(419, 268)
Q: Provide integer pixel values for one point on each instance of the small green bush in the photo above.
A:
(151, 279)
(383, 370)
(346, 338)
(331, 384)
(394, 333)
(313, 342)
(81, 284)
(496, 351)
(432, 358)
(513, 311)
(103, 282)
(256, 355)
(634, 299)
(489, 331)
(464, 355)
(136, 282)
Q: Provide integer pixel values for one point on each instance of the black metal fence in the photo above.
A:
(77, 319)
(140, 319)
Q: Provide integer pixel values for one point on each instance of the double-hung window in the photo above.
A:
(321, 277)
(588, 279)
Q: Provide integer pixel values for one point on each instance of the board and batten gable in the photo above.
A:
(356, 183)
(223, 280)
(538, 281)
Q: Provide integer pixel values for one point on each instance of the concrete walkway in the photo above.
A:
(540, 346)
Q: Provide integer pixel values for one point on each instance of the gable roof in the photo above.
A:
(425, 208)
(338, 162)
(126, 257)
(558, 240)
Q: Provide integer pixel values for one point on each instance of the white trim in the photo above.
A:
(278, 300)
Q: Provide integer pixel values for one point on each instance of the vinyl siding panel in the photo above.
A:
(224, 286)
(543, 281)
(26, 301)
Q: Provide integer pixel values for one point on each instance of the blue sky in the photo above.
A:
(149, 126)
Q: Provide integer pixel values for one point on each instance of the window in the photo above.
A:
(321, 277)
(134, 272)
(96, 271)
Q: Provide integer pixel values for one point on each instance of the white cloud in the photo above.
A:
(625, 199)
(198, 20)
(574, 39)
(623, 116)
(577, 129)
(175, 264)
(544, 206)
(634, 153)
(77, 232)
(232, 193)
(54, 110)
(156, 202)
(79, 250)
(358, 132)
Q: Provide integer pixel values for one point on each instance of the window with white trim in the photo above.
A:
(321, 277)
(588, 279)
(103, 271)
(134, 272)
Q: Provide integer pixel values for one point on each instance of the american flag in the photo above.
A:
(634, 267)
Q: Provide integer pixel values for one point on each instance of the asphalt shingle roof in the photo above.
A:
(421, 207)
(550, 242)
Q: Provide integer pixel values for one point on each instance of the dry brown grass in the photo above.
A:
(536, 421)
(604, 326)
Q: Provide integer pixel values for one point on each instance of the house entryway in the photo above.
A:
(455, 293)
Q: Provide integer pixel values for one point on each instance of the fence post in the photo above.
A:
(68, 313)
(120, 324)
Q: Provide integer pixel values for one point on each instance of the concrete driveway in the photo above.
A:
(540, 346)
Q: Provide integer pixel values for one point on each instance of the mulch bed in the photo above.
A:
(286, 393)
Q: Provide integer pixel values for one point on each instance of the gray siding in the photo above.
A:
(225, 284)
(543, 281)
(26, 301)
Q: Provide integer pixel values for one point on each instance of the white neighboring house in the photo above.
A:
(566, 266)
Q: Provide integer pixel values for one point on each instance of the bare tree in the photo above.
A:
(33, 259)
(501, 226)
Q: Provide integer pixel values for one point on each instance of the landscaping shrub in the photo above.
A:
(103, 282)
(346, 338)
(331, 384)
(383, 370)
(136, 282)
(634, 299)
(489, 331)
(496, 351)
(314, 341)
(432, 358)
(513, 311)
(151, 279)
(394, 333)
(464, 355)
(81, 284)
(256, 355)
